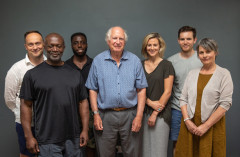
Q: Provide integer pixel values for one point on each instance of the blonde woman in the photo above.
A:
(157, 115)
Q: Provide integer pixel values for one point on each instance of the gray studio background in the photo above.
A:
(218, 19)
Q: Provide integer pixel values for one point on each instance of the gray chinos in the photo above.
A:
(114, 123)
(69, 148)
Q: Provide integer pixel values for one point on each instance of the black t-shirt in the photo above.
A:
(84, 71)
(56, 92)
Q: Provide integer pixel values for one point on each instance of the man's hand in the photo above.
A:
(32, 145)
(83, 138)
(98, 122)
(136, 124)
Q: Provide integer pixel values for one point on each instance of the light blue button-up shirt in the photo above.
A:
(116, 86)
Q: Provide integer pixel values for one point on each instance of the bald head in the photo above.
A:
(56, 36)
(54, 46)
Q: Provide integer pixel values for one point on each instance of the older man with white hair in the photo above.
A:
(117, 93)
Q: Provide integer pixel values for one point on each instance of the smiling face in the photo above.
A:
(206, 57)
(116, 42)
(34, 45)
(186, 41)
(79, 45)
(153, 47)
(54, 46)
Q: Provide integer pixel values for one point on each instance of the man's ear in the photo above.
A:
(195, 40)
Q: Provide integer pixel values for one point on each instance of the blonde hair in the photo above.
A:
(162, 44)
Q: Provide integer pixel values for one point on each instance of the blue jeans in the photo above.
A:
(175, 124)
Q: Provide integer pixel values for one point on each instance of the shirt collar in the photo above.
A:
(89, 61)
(27, 60)
(109, 57)
(71, 61)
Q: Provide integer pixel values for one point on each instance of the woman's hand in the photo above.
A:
(156, 105)
(201, 130)
(191, 126)
(152, 119)
(213, 119)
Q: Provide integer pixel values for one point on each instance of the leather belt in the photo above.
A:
(119, 109)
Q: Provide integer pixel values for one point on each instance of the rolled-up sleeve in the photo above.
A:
(226, 91)
(183, 100)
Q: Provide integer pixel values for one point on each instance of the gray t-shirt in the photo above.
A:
(182, 66)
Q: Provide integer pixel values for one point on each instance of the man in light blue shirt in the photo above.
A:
(117, 93)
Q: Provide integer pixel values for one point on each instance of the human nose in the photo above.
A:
(79, 44)
(54, 48)
(204, 55)
(118, 40)
(34, 46)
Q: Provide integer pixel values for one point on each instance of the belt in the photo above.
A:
(119, 109)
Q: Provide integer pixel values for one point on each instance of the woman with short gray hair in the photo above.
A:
(206, 96)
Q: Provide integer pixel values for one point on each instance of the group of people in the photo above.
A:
(84, 106)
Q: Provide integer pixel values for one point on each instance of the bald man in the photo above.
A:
(57, 94)
(117, 93)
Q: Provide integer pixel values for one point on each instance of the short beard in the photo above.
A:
(54, 60)
(80, 55)
(50, 52)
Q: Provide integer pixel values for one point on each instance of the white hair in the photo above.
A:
(109, 32)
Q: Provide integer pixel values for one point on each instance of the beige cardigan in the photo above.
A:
(217, 92)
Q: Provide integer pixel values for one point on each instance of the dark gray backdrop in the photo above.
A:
(218, 19)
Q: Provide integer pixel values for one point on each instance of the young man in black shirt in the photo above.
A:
(82, 62)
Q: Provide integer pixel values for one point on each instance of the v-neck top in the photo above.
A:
(155, 87)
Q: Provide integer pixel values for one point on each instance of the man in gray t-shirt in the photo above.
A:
(182, 62)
